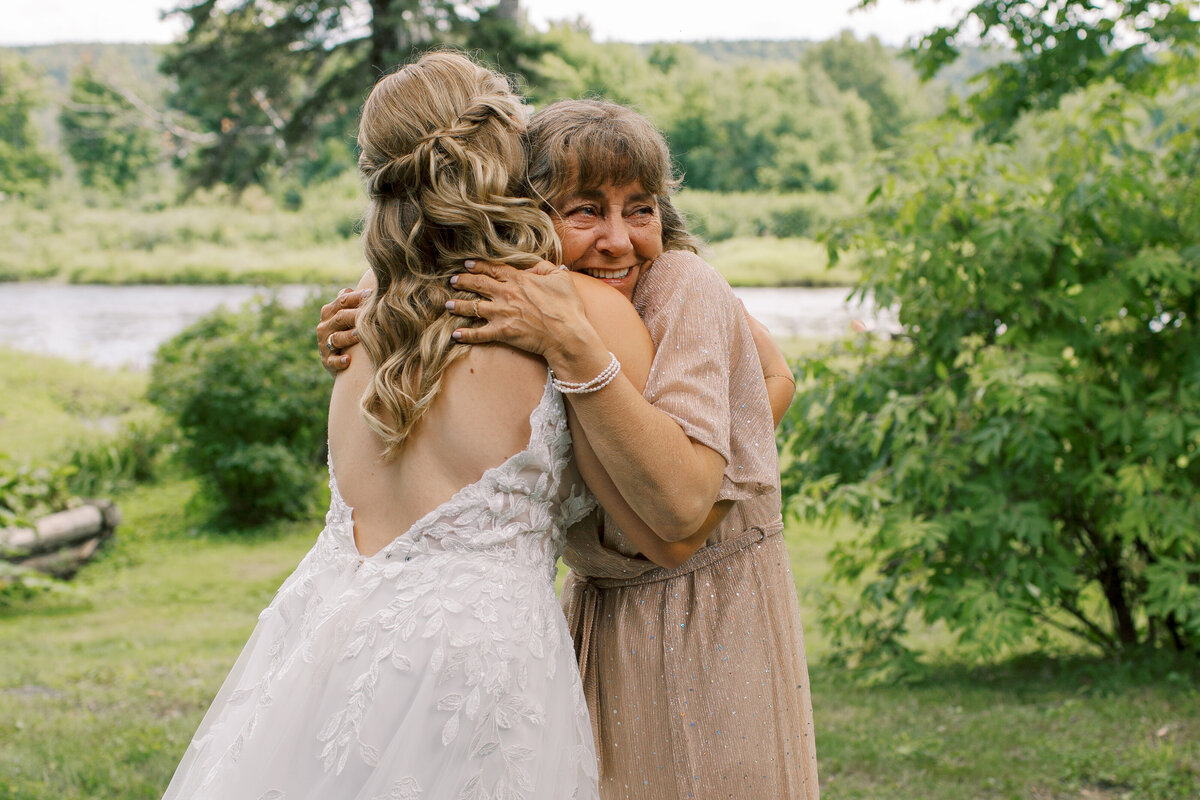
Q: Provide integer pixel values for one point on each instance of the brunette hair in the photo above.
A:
(442, 160)
(580, 145)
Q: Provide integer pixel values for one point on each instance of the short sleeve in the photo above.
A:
(706, 374)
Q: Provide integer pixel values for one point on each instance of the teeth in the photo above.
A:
(605, 273)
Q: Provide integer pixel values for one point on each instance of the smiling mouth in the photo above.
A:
(609, 274)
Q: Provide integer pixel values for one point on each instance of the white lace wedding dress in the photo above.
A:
(440, 668)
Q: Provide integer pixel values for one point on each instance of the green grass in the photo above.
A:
(767, 261)
(50, 404)
(101, 688)
(100, 692)
(206, 241)
(252, 240)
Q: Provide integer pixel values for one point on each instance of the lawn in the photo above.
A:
(50, 404)
(102, 687)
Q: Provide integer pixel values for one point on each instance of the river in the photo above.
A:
(122, 326)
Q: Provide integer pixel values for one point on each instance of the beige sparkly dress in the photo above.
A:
(695, 677)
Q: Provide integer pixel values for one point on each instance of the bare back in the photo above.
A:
(479, 419)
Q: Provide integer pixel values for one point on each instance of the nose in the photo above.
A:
(612, 238)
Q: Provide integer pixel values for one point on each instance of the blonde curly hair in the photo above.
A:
(443, 163)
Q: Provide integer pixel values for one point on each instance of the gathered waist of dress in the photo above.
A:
(635, 572)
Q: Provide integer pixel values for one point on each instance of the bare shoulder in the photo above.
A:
(606, 308)
(505, 374)
(619, 326)
(367, 281)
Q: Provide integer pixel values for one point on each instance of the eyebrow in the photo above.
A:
(596, 194)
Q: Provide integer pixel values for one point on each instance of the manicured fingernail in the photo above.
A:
(454, 280)
(449, 305)
(345, 361)
(367, 293)
(469, 263)
(456, 335)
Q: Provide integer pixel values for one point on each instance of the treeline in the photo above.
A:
(246, 99)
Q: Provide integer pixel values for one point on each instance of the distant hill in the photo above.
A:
(956, 77)
(133, 65)
(751, 49)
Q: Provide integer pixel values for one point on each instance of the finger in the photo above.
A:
(343, 339)
(344, 320)
(335, 363)
(477, 309)
(482, 285)
(334, 305)
(500, 272)
(480, 335)
(355, 299)
(544, 268)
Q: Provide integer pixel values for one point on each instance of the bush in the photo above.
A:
(1027, 456)
(27, 493)
(250, 398)
(121, 460)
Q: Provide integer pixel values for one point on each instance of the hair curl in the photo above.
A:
(442, 161)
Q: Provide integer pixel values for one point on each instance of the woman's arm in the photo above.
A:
(781, 386)
(621, 330)
(340, 315)
(669, 481)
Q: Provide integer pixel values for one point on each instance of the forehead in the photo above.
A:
(610, 192)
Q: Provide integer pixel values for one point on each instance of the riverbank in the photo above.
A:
(254, 241)
(118, 326)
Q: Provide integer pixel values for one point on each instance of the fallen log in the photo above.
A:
(60, 540)
(66, 562)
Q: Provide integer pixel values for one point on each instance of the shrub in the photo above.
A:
(250, 398)
(27, 493)
(1026, 458)
(120, 460)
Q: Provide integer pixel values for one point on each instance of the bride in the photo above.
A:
(418, 650)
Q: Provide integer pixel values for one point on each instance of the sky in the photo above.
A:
(893, 21)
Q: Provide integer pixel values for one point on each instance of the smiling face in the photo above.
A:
(612, 233)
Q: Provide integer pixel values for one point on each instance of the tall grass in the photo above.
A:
(760, 239)
(211, 239)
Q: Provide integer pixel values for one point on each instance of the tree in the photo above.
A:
(871, 72)
(24, 166)
(1061, 45)
(105, 135)
(1026, 456)
(270, 80)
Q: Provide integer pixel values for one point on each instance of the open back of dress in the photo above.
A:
(439, 667)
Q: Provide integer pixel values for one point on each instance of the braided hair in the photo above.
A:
(442, 162)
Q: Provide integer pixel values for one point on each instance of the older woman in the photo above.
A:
(681, 599)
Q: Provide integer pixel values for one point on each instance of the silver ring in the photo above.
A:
(475, 308)
(329, 343)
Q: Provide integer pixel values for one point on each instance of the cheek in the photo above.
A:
(647, 242)
(574, 242)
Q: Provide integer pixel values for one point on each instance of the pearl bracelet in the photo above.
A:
(597, 383)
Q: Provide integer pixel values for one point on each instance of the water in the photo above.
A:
(122, 326)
